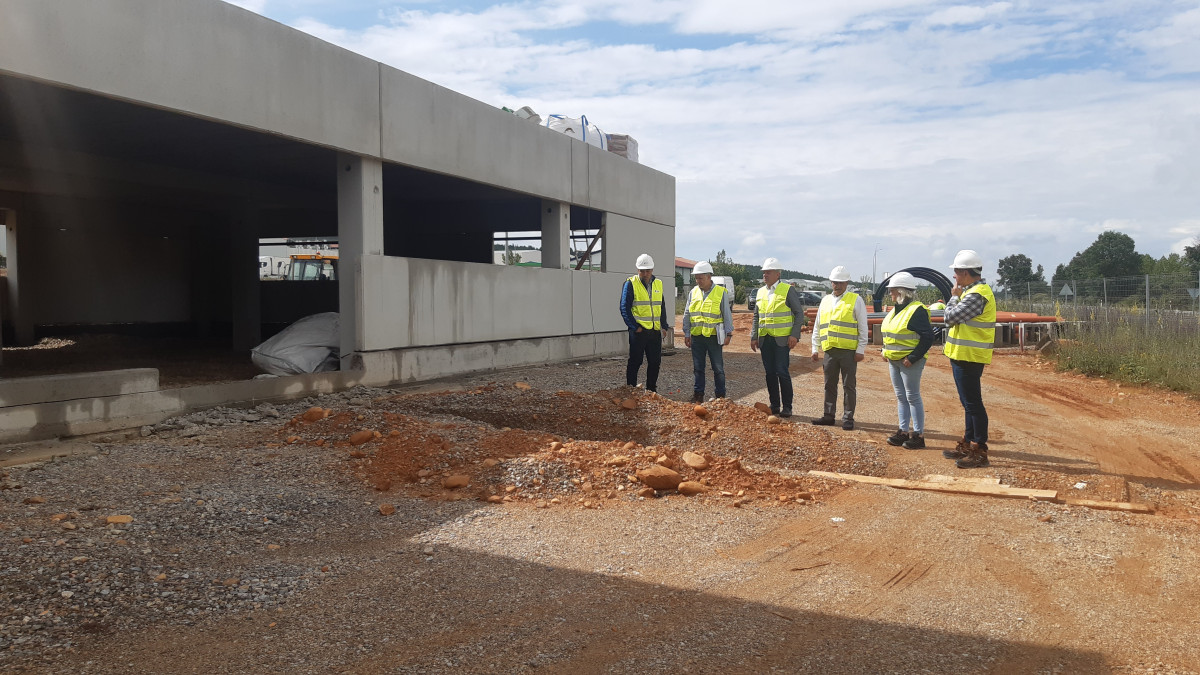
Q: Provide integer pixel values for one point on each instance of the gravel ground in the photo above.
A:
(258, 541)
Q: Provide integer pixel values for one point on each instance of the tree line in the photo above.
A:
(1113, 254)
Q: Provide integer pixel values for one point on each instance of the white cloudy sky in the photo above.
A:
(818, 130)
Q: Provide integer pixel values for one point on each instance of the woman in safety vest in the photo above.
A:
(907, 335)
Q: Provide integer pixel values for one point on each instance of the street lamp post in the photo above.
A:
(874, 260)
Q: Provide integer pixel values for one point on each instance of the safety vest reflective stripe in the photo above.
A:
(839, 313)
(898, 340)
(970, 343)
(705, 311)
(647, 305)
(974, 339)
(774, 317)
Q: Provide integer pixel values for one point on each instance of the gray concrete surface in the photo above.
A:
(73, 386)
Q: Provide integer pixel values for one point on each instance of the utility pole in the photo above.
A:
(874, 260)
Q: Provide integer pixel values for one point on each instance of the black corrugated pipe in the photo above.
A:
(933, 276)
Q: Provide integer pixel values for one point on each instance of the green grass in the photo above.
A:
(1118, 344)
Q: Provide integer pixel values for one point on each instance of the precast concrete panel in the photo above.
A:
(627, 238)
(431, 127)
(411, 302)
(201, 57)
(618, 185)
(606, 301)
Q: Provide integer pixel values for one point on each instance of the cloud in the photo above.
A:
(256, 6)
(966, 14)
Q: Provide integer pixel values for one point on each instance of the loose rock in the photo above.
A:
(659, 478)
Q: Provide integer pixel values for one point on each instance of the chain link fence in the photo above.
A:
(1083, 299)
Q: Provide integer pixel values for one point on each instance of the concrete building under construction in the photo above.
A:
(146, 146)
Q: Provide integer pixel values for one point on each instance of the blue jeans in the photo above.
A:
(966, 377)
(906, 380)
(775, 362)
(707, 345)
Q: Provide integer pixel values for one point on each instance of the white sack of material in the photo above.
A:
(308, 346)
(578, 128)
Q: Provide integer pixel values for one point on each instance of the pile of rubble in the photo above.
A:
(519, 444)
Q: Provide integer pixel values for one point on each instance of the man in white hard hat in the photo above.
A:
(778, 320)
(971, 317)
(644, 308)
(707, 327)
(841, 338)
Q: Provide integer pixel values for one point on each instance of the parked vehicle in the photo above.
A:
(807, 298)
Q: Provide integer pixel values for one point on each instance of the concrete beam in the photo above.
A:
(73, 386)
(556, 235)
(209, 59)
(426, 363)
(78, 417)
(360, 233)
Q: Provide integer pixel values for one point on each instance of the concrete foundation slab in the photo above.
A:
(52, 388)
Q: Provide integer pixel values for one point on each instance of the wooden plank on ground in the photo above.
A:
(939, 478)
(1128, 507)
(985, 489)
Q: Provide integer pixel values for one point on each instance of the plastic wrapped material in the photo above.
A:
(623, 145)
(580, 128)
(308, 346)
(527, 113)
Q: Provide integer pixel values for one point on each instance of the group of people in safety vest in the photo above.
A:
(839, 341)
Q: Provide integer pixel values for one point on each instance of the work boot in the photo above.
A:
(976, 457)
(959, 451)
(698, 397)
(848, 425)
(786, 412)
(824, 421)
(898, 438)
(915, 442)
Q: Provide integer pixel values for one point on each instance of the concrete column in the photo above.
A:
(360, 232)
(247, 301)
(20, 311)
(556, 235)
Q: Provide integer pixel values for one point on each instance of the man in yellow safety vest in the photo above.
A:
(971, 316)
(644, 309)
(707, 327)
(778, 319)
(841, 337)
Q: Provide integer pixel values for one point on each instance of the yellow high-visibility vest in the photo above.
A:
(647, 305)
(898, 340)
(705, 312)
(973, 339)
(774, 317)
(838, 329)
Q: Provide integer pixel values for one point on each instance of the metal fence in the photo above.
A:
(1080, 298)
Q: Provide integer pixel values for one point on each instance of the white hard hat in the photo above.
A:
(645, 262)
(839, 273)
(702, 267)
(967, 260)
(771, 264)
(903, 280)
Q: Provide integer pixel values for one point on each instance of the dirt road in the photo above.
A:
(274, 556)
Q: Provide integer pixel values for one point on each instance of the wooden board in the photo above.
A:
(1128, 507)
(957, 487)
(939, 478)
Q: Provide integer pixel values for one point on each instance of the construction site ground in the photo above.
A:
(326, 535)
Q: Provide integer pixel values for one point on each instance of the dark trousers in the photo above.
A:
(775, 362)
(702, 346)
(967, 376)
(840, 364)
(648, 344)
